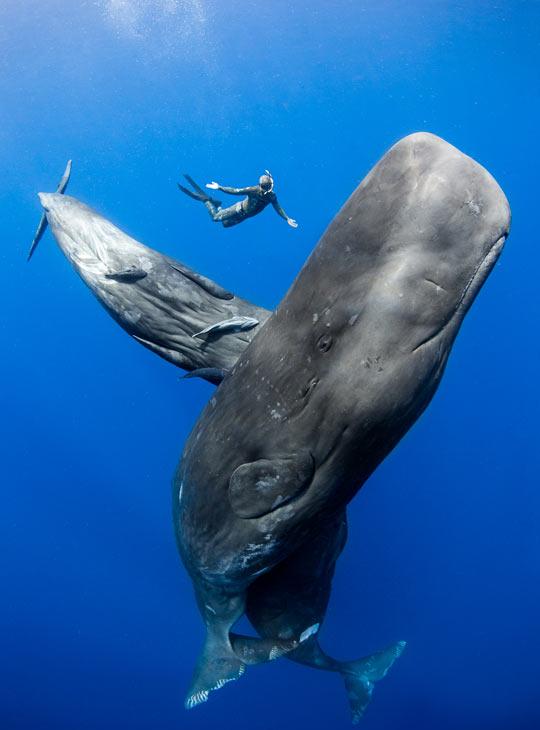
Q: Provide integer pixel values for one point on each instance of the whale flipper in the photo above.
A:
(260, 487)
(127, 276)
(212, 375)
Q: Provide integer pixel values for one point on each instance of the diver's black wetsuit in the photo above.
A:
(255, 201)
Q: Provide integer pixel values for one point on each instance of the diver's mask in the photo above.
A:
(266, 182)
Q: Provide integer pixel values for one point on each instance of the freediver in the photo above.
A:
(257, 198)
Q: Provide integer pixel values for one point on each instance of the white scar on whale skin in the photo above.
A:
(254, 552)
(310, 631)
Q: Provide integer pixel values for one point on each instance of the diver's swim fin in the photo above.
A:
(195, 196)
(42, 226)
(199, 194)
(202, 197)
(361, 675)
(194, 185)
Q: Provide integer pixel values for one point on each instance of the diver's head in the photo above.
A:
(266, 182)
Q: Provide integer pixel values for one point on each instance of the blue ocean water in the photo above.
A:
(98, 625)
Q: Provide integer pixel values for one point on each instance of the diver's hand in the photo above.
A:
(292, 223)
(213, 185)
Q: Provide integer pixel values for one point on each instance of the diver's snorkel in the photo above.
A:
(267, 178)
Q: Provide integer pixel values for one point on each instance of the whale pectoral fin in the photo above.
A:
(127, 275)
(260, 487)
(212, 375)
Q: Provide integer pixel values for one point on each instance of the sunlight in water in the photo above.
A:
(168, 19)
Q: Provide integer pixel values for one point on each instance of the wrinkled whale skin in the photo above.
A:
(348, 361)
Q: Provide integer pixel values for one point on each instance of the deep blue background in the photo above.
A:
(98, 626)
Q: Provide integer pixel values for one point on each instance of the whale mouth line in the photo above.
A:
(486, 262)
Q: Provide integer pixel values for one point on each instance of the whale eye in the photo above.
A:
(306, 390)
(324, 343)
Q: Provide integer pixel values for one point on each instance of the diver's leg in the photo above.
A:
(214, 210)
(227, 216)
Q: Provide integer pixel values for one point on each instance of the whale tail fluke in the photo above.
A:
(42, 226)
(224, 661)
(217, 665)
(360, 676)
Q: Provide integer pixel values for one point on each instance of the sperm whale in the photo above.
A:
(311, 399)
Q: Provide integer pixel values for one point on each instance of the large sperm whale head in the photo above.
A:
(92, 244)
(357, 347)
(424, 228)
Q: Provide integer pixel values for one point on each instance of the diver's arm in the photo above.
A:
(279, 210)
(232, 191)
